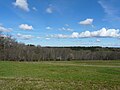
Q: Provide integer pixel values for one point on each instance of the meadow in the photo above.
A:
(60, 75)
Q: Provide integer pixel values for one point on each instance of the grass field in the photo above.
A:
(60, 75)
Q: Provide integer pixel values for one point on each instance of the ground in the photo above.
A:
(60, 75)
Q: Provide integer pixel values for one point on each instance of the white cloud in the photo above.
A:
(75, 35)
(102, 33)
(39, 37)
(112, 13)
(58, 36)
(34, 8)
(69, 29)
(48, 28)
(47, 38)
(67, 25)
(63, 28)
(106, 33)
(108, 9)
(22, 4)
(3, 29)
(25, 37)
(88, 21)
(49, 10)
(25, 27)
(66, 29)
(98, 40)
(85, 34)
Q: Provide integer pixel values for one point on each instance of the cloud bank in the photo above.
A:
(25, 37)
(102, 33)
(3, 29)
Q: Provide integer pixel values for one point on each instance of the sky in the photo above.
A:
(62, 22)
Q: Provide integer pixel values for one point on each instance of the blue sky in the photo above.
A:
(62, 22)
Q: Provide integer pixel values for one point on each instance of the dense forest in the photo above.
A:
(11, 50)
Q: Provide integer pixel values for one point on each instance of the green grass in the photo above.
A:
(60, 75)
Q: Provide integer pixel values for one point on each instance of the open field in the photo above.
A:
(60, 75)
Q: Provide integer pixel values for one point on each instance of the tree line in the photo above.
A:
(11, 50)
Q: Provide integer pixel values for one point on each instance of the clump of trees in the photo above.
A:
(11, 50)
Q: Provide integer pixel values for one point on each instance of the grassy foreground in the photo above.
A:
(62, 75)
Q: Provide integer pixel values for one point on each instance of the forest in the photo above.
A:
(11, 50)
